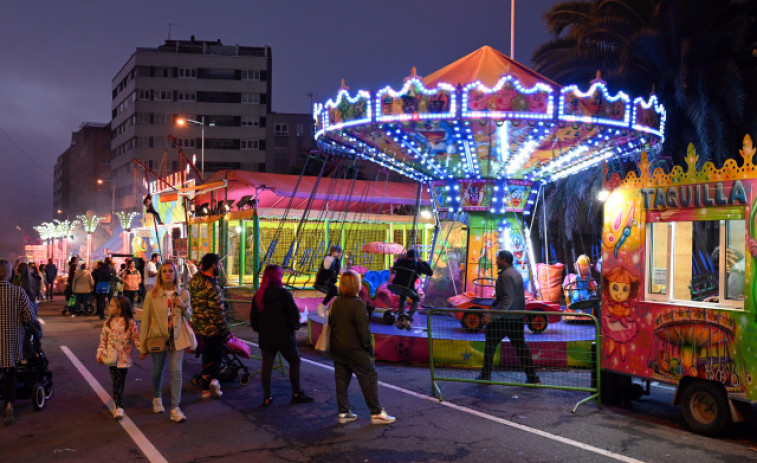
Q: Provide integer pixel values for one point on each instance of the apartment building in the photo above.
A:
(290, 138)
(224, 91)
(76, 189)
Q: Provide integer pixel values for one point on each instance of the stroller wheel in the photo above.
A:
(39, 397)
(388, 317)
(244, 379)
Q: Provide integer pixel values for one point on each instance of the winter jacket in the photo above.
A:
(278, 320)
(155, 319)
(509, 294)
(132, 279)
(208, 308)
(83, 282)
(350, 333)
(122, 339)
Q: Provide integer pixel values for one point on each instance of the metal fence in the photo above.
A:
(565, 352)
(238, 301)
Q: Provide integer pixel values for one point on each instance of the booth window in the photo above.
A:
(699, 261)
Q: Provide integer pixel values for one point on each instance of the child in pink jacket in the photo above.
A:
(118, 336)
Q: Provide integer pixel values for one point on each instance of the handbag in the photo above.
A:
(323, 344)
(156, 344)
(102, 287)
(189, 333)
(110, 357)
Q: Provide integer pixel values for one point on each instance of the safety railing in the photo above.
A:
(564, 352)
(238, 301)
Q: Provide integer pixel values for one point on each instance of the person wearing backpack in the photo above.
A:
(83, 284)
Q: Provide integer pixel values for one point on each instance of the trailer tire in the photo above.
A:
(705, 408)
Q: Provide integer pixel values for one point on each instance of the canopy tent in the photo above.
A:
(273, 191)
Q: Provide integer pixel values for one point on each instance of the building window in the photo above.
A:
(300, 130)
(186, 142)
(144, 95)
(281, 130)
(250, 144)
(143, 119)
(699, 261)
(251, 98)
(163, 95)
(160, 119)
(187, 73)
(187, 96)
(250, 75)
(250, 121)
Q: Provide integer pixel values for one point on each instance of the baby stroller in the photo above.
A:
(232, 368)
(34, 379)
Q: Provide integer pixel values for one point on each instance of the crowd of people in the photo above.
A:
(183, 309)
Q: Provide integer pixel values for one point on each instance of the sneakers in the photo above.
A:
(8, 418)
(382, 418)
(348, 417)
(177, 416)
(215, 389)
(401, 319)
(484, 376)
(118, 413)
(408, 323)
(301, 398)
(157, 405)
(535, 380)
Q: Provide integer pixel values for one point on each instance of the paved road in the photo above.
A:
(474, 424)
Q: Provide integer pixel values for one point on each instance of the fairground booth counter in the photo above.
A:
(252, 219)
(678, 304)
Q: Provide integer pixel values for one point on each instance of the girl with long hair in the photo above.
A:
(166, 306)
(120, 333)
(276, 318)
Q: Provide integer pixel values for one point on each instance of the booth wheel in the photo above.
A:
(388, 318)
(471, 322)
(39, 396)
(705, 407)
(537, 323)
(244, 379)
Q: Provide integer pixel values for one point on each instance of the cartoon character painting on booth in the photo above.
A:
(619, 323)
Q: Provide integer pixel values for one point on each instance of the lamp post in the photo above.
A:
(183, 121)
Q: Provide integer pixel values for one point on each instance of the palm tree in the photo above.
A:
(696, 55)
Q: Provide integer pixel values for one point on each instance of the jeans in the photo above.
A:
(366, 377)
(118, 376)
(9, 384)
(175, 357)
(131, 296)
(101, 300)
(513, 330)
(82, 300)
(292, 356)
(403, 302)
(212, 358)
(49, 291)
(333, 292)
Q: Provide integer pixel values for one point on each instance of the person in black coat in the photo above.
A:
(51, 273)
(403, 279)
(276, 318)
(328, 272)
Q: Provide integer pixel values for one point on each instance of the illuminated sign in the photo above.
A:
(700, 195)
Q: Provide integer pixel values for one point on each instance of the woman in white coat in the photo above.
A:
(164, 336)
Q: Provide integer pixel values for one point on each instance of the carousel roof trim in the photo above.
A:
(487, 66)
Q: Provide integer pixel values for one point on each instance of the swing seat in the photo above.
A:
(404, 290)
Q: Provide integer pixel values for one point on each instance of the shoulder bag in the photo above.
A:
(157, 344)
(110, 356)
(323, 344)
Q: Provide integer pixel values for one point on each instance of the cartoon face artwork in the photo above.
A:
(619, 292)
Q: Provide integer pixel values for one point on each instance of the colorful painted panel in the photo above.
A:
(415, 101)
(594, 105)
(508, 98)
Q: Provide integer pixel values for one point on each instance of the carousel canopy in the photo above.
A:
(486, 120)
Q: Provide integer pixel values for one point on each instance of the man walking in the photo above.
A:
(151, 271)
(51, 273)
(209, 321)
(15, 313)
(509, 295)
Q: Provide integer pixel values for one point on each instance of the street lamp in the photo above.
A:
(183, 121)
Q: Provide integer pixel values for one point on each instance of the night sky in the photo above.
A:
(57, 60)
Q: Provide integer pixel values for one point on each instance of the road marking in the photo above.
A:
(512, 424)
(136, 435)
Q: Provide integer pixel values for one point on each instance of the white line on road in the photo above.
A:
(512, 424)
(136, 435)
